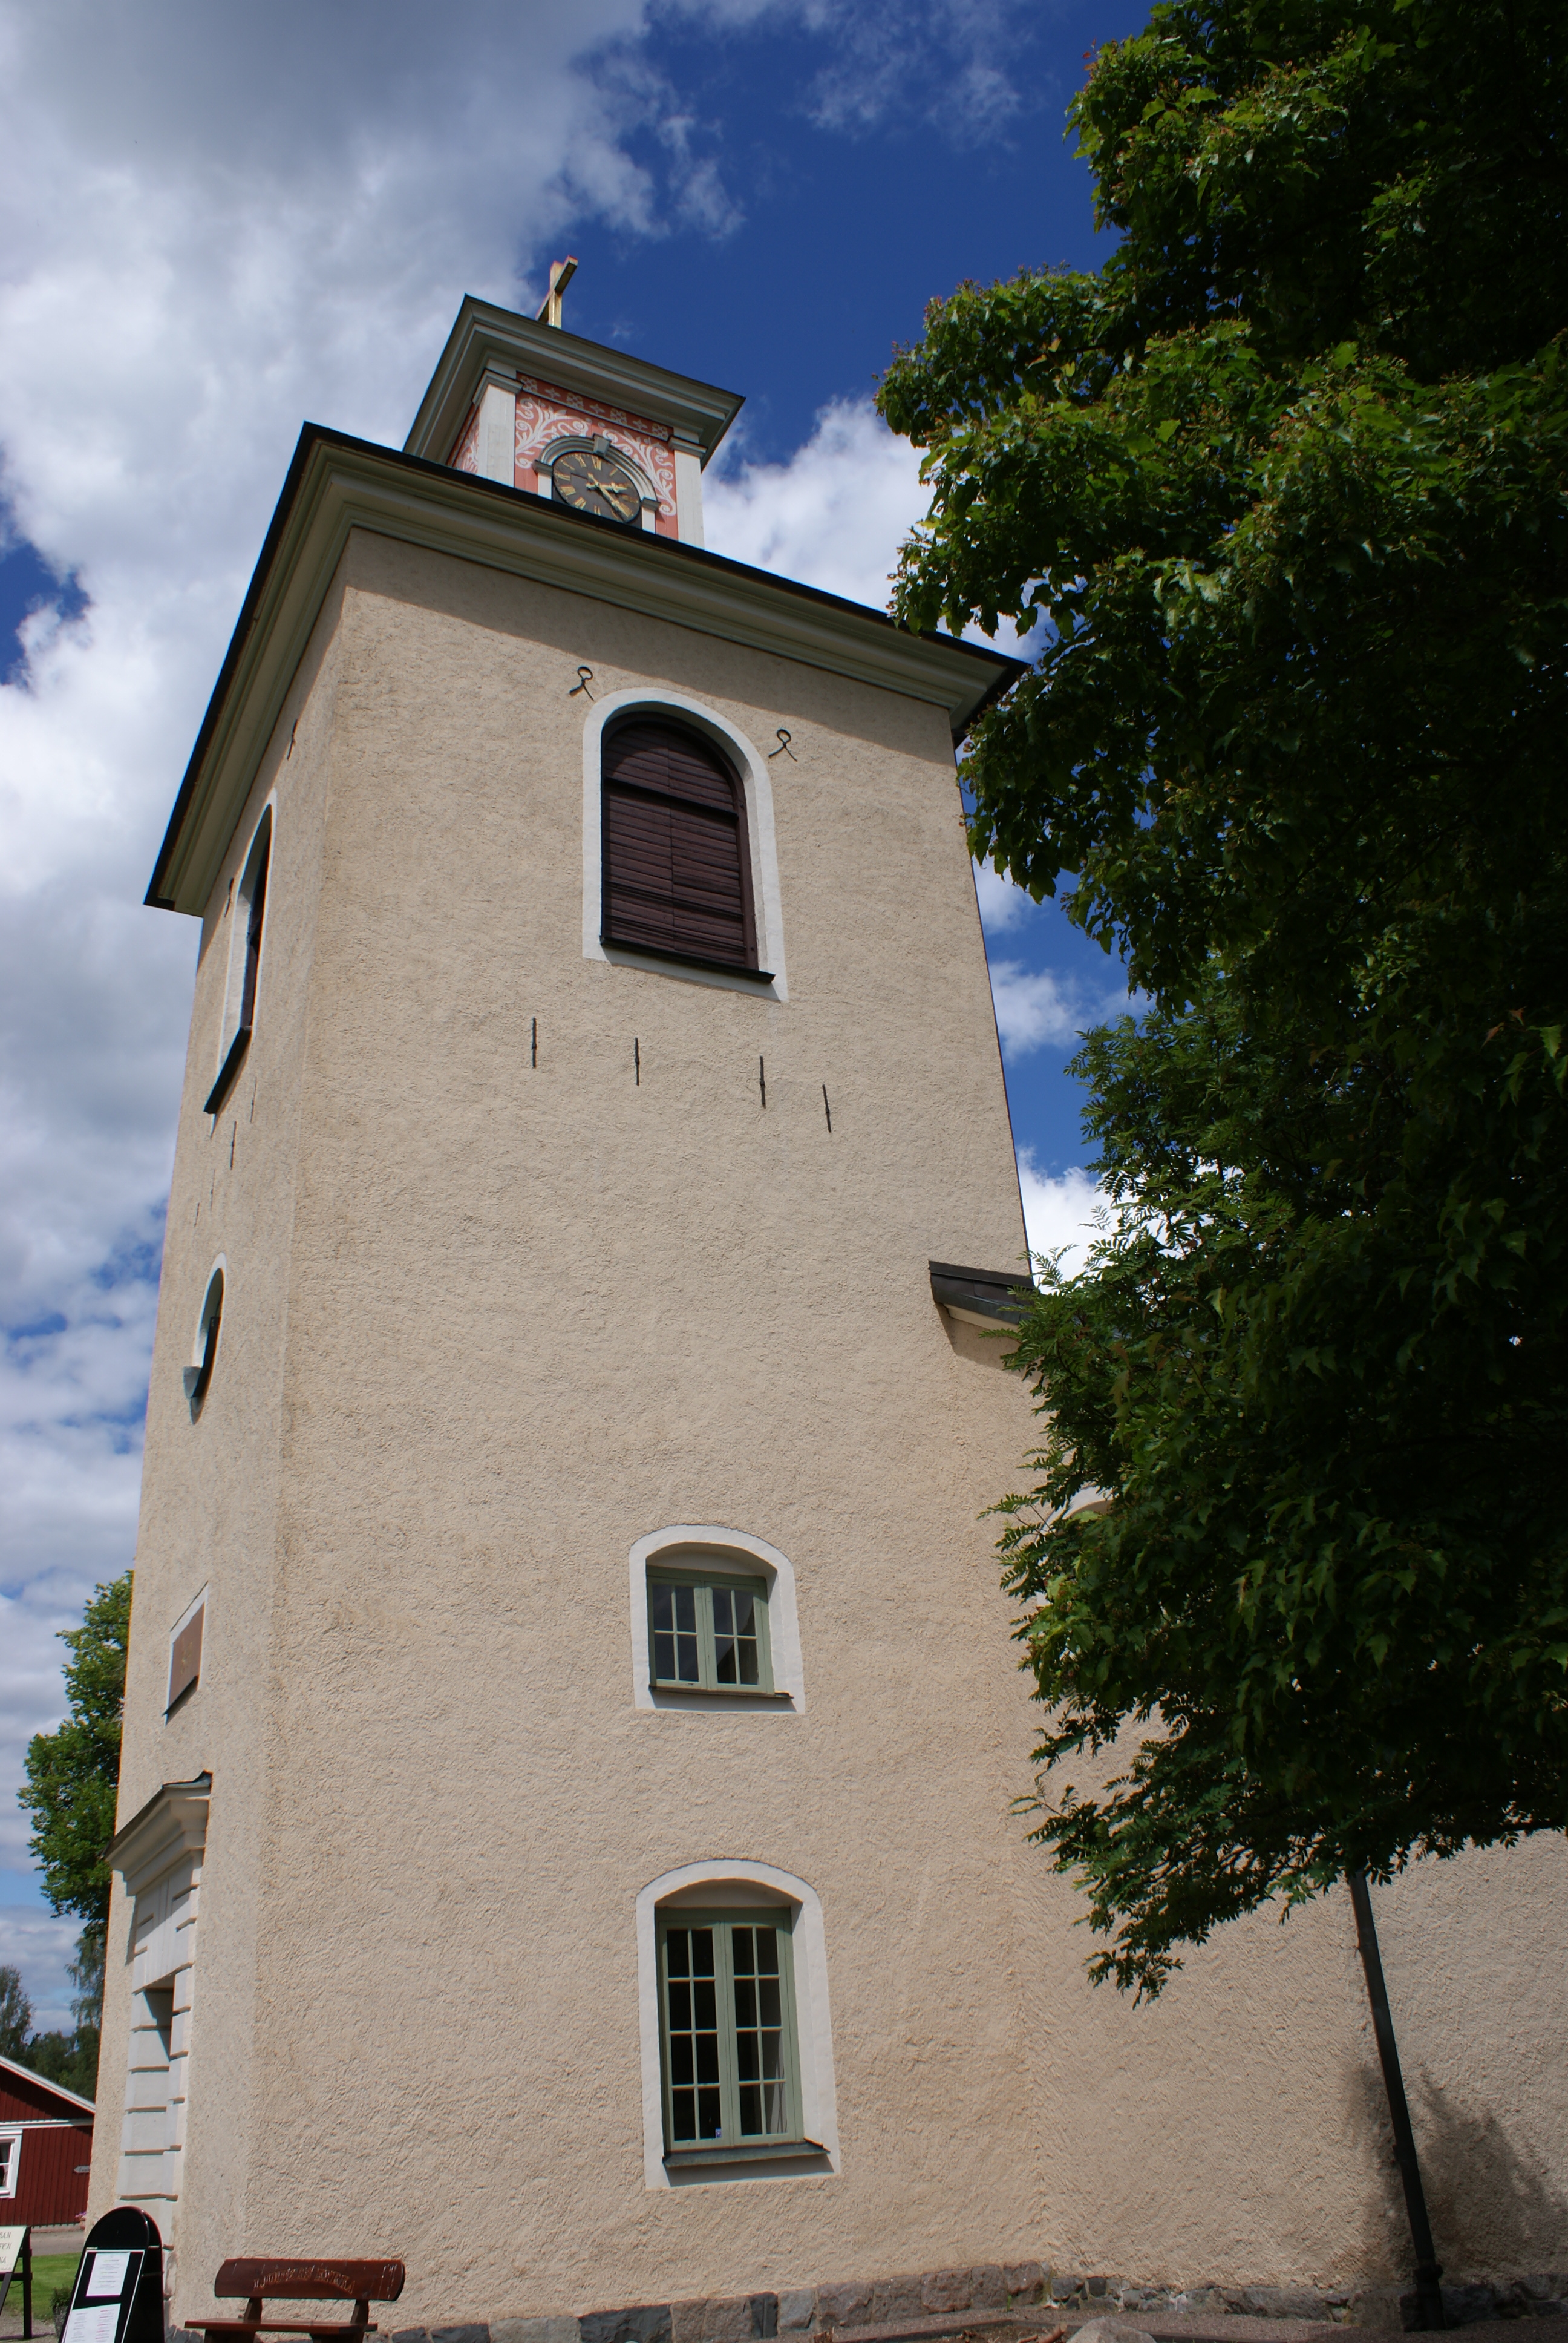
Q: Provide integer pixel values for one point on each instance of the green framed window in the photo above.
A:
(727, 2036)
(707, 1632)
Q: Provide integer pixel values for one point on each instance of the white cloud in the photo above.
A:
(938, 60)
(1002, 905)
(39, 1946)
(1033, 1007)
(1057, 1210)
(834, 515)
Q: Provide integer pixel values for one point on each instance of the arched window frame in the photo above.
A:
(743, 1884)
(247, 950)
(723, 1552)
(751, 771)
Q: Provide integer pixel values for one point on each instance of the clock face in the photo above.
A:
(594, 484)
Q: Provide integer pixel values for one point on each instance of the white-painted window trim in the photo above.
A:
(239, 926)
(11, 2132)
(752, 769)
(741, 1884)
(721, 1550)
(197, 1604)
(198, 1340)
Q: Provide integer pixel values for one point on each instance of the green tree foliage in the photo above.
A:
(1286, 487)
(73, 1774)
(16, 2014)
(72, 1781)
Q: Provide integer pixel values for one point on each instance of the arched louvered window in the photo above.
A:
(677, 863)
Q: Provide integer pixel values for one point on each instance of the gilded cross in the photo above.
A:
(561, 275)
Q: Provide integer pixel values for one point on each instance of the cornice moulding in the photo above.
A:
(483, 337)
(337, 484)
(173, 1823)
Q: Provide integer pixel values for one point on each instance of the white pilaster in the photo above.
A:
(689, 497)
(497, 437)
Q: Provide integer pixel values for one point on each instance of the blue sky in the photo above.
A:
(219, 223)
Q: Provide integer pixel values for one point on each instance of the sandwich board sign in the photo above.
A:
(17, 2254)
(119, 2297)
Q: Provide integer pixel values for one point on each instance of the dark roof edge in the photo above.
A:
(312, 434)
(309, 434)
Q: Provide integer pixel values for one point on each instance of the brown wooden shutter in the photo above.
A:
(676, 865)
(184, 1657)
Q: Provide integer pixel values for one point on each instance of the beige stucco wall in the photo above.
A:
(488, 1324)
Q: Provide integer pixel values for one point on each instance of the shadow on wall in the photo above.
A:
(1496, 2209)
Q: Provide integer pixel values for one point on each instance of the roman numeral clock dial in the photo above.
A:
(594, 484)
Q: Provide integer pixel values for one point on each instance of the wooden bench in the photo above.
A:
(279, 2280)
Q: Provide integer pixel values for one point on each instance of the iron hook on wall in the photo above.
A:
(783, 749)
(585, 677)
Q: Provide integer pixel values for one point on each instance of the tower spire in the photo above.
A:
(561, 275)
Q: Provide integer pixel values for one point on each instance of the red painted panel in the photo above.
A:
(22, 2096)
(49, 2188)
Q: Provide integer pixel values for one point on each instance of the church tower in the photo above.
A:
(571, 1723)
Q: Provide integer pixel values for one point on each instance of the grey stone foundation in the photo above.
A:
(990, 2294)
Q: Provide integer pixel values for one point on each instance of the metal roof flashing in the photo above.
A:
(485, 338)
(981, 1297)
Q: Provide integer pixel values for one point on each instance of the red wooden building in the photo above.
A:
(46, 2149)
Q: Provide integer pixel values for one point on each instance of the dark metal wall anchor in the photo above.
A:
(783, 737)
(585, 677)
(1429, 2312)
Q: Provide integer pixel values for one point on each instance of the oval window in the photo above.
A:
(198, 1374)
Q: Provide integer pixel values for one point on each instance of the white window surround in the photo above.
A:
(752, 769)
(264, 836)
(744, 1885)
(10, 2157)
(218, 1269)
(709, 1548)
(199, 1343)
(159, 1853)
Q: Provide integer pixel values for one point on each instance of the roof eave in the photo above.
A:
(335, 482)
(482, 334)
(44, 2083)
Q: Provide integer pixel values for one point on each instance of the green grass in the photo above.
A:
(53, 2269)
(49, 2271)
